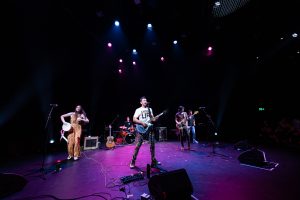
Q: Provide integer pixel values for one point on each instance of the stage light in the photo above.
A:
(51, 141)
(149, 26)
(162, 59)
(117, 23)
(209, 48)
(134, 51)
(120, 71)
(217, 3)
(295, 35)
(109, 44)
(134, 63)
(120, 60)
(175, 42)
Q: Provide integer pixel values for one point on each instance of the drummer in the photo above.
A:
(128, 125)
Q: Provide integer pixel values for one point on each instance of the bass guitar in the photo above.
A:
(110, 140)
(144, 130)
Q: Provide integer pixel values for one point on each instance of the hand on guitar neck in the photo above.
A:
(110, 140)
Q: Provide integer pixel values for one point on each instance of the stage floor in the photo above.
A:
(214, 171)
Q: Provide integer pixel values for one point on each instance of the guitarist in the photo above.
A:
(181, 119)
(141, 117)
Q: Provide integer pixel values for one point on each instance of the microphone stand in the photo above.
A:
(212, 124)
(45, 140)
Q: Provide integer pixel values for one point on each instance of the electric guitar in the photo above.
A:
(110, 140)
(144, 130)
(183, 123)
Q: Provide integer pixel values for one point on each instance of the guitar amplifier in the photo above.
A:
(91, 143)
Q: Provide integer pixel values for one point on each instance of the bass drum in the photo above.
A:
(130, 138)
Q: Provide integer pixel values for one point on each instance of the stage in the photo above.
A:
(213, 169)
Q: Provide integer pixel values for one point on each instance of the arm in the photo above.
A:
(62, 117)
(176, 120)
(153, 119)
(84, 119)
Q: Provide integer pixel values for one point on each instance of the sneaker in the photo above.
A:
(75, 158)
(155, 163)
(195, 141)
(132, 165)
(69, 157)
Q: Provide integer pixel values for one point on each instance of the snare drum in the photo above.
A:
(130, 138)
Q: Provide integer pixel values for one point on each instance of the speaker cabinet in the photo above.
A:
(11, 183)
(90, 143)
(171, 185)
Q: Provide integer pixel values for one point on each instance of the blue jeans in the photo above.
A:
(193, 132)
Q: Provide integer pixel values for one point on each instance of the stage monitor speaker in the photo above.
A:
(253, 156)
(171, 185)
(11, 183)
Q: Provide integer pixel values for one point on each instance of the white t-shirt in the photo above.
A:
(142, 114)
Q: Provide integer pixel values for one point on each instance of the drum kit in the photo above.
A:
(127, 134)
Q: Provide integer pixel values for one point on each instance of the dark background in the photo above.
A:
(55, 52)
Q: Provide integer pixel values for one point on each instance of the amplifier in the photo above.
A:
(91, 143)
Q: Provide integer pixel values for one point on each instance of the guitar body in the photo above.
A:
(110, 143)
(143, 130)
(181, 126)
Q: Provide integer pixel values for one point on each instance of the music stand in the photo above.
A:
(214, 130)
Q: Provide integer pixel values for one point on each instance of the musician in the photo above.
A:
(191, 125)
(181, 119)
(141, 117)
(128, 125)
(77, 119)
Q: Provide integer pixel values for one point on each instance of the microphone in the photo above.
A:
(54, 105)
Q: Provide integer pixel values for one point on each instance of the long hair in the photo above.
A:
(81, 111)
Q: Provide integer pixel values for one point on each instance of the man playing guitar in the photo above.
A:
(142, 116)
(181, 119)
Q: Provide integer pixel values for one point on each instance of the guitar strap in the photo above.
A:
(150, 114)
(149, 110)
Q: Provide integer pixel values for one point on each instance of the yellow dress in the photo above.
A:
(74, 137)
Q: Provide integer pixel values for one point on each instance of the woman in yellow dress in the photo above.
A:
(77, 119)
